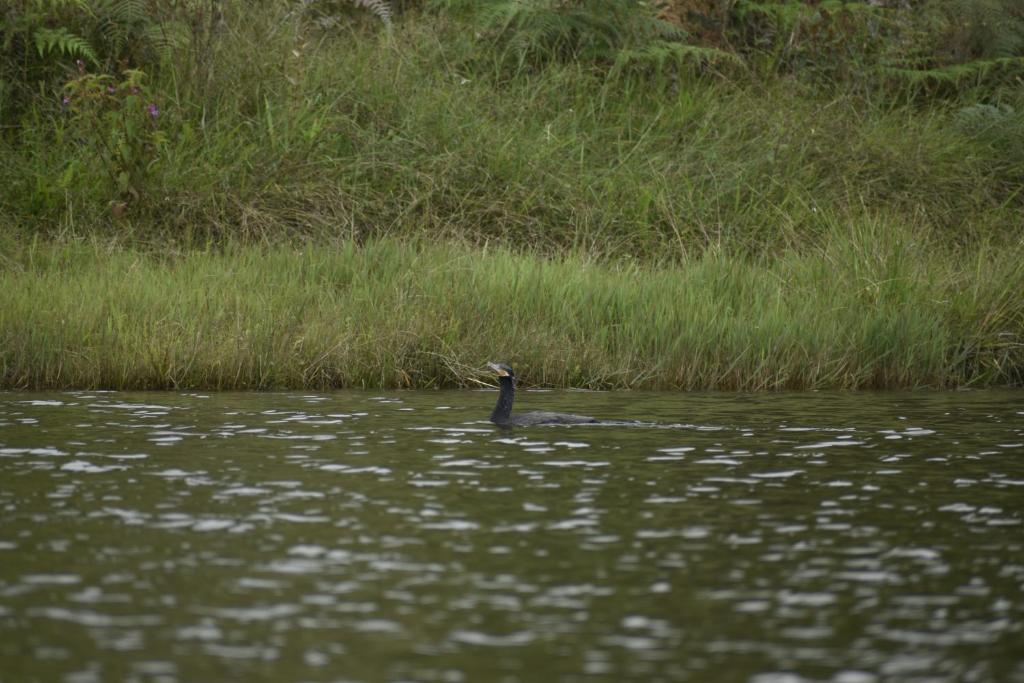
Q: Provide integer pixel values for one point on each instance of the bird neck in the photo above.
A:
(503, 408)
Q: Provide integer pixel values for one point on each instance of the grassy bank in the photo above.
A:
(866, 307)
(281, 132)
(276, 201)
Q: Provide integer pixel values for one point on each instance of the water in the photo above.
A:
(849, 538)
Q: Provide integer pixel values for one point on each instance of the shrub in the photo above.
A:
(41, 39)
(116, 121)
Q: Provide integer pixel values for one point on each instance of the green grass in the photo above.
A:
(297, 136)
(368, 209)
(865, 308)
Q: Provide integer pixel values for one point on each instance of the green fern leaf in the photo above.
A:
(167, 37)
(61, 40)
(955, 73)
(127, 12)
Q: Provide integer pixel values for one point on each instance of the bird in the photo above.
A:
(502, 413)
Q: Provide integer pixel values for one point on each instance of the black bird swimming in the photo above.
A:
(502, 414)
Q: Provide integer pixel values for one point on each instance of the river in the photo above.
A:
(359, 536)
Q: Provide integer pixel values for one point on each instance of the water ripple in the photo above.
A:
(839, 538)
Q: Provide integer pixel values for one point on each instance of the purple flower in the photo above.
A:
(65, 101)
(153, 111)
(111, 90)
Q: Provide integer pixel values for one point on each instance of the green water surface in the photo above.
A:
(774, 538)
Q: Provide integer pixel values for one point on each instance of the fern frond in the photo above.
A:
(64, 42)
(954, 73)
(539, 30)
(128, 12)
(167, 37)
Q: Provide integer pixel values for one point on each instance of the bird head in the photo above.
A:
(502, 369)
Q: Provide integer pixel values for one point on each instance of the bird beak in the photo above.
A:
(498, 369)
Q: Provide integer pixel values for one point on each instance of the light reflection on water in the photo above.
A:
(849, 538)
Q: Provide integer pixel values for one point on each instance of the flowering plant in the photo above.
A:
(118, 118)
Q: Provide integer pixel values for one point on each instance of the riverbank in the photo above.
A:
(284, 132)
(256, 197)
(867, 307)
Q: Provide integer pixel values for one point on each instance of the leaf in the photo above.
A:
(61, 40)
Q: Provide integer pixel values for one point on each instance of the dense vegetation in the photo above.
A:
(867, 309)
(690, 193)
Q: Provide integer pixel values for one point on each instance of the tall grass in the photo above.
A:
(865, 307)
(291, 134)
(317, 209)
